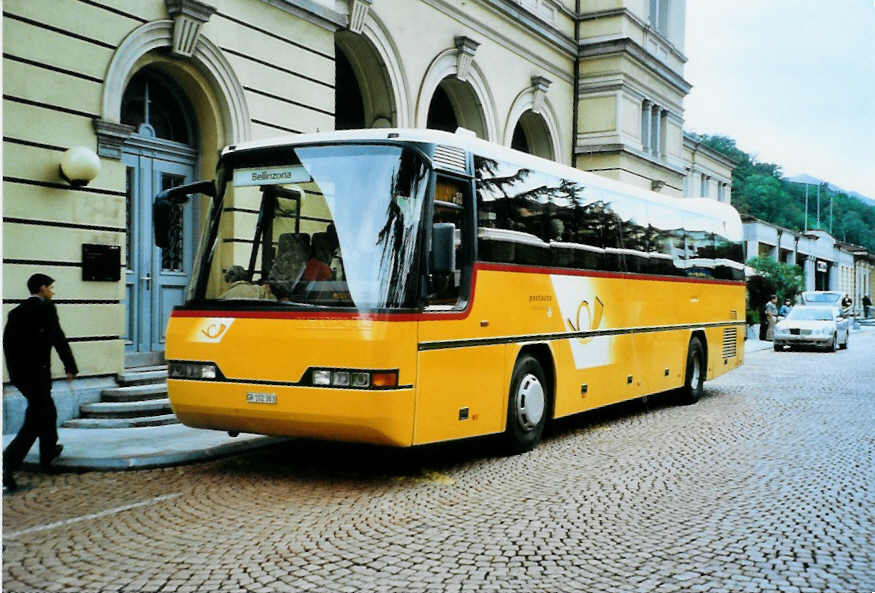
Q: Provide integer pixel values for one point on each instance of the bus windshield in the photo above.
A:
(317, 226)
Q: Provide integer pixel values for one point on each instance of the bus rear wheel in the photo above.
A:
(526, 406)
(695, 376)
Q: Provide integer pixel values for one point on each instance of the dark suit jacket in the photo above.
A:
(31, 331)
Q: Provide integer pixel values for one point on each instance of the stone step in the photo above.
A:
(132, 409)
(131, 377)
(122, 422)
(131, 393)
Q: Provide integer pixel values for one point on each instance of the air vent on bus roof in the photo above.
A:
(450, 158)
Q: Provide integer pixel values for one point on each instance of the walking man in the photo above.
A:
(31, 331)
(867, 304)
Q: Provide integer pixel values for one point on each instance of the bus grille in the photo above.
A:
(730, 341)
(446, 157)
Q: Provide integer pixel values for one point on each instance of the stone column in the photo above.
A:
(655, 140)
(646, 108)
(810, 270)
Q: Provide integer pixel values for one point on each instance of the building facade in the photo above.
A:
(156, 87)
(827, 264)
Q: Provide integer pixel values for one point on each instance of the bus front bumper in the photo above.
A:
(369, 416)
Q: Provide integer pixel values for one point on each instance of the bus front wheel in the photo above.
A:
(526, 407)
(695, 376)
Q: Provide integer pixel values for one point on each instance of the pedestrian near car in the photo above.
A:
(785, 308)
(867, 304)
(32, 330)
(772, 315)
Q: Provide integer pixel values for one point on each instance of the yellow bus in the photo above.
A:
(405, 287)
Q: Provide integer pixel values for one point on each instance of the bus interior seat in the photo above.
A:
(291, 258)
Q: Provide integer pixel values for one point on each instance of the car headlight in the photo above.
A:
(782, 331)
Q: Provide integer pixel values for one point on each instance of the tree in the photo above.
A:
(786, 278)
(760, 190)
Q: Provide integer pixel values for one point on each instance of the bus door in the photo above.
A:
(461, 385)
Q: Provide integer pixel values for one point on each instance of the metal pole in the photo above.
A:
(818, 205)
(806, 207)
(831, 196)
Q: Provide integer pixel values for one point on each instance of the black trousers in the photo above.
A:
(40, 422)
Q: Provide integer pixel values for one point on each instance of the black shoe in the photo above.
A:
(56, 452)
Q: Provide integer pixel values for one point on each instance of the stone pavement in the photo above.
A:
(764, 485)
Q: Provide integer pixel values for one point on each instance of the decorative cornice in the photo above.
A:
(626, 45)
(110, 137)
(188, 18)
(691, 143)
(466, 47)
(618, 147)
(534, 23)
(643, 25)
(358, 14)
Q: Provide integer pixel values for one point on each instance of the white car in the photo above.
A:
(808, 325)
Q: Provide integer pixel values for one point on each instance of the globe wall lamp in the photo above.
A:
(79, 165)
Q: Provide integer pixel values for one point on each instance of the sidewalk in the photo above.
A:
(142, 448)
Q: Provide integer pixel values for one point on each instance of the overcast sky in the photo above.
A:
(792, 81)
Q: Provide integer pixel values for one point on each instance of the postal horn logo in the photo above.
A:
(588, 318)
(214, 330)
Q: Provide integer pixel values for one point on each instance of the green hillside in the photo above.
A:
(760, 190)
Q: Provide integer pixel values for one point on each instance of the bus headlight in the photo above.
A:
(321, 377)
(192, 370)
(356, 379)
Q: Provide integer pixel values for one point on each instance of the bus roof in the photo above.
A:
(723, 218)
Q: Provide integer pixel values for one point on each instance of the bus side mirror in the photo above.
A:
(443, 247)
(163, 211)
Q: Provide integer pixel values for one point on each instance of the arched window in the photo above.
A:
(155, 107)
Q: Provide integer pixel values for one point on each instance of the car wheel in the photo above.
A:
(835, 343)
(527, 406)
(778, 347)
(694, 380)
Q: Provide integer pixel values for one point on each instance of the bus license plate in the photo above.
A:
(261, 398)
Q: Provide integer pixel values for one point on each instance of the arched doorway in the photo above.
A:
(161, 153)
(363, 90)
(531, 135)
(455, 104)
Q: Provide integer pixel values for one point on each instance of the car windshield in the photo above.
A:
(318, 226)
(812, 314)
(822, 297)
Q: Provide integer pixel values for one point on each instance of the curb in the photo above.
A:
(151, 460)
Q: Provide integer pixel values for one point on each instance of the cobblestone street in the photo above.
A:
(767, 484)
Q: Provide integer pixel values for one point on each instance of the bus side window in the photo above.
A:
(449, 207)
